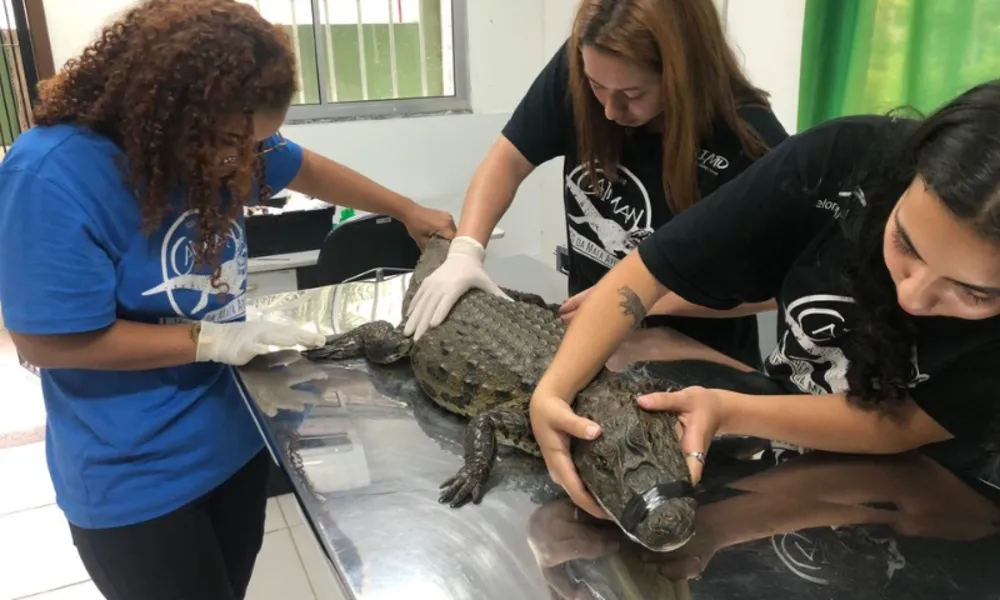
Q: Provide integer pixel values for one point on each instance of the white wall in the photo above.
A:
(74, 23)
(509, 42)
(767, 34)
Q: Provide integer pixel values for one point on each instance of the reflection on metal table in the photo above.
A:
(366, 451)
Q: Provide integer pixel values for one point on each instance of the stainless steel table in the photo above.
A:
(366, 452)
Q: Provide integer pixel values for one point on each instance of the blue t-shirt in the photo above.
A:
(123, 446)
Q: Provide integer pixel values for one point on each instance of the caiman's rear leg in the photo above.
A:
(378, 341)
(508, 422)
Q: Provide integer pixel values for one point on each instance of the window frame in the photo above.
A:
(38, 29)
(326, 110)
(25, 60)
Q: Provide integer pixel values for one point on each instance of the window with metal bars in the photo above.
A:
(18, 74)
(375, 58)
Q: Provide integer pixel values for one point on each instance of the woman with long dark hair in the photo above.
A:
(123, 269)
(880, 239)
(650, 111)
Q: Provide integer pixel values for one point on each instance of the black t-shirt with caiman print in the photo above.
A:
(603, 225)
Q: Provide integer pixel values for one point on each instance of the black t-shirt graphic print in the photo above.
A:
(607, 222)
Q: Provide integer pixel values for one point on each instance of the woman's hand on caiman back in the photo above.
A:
(553, 422)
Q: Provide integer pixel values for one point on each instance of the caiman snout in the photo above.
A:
(663, 518)
(636, 471)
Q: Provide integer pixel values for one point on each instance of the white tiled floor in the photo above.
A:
(38, 559)
(37, 552)
(291, 565)
(22, 410)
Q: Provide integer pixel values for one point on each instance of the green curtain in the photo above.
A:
(870, 56)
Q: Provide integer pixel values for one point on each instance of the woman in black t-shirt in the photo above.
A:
(880, 239)
(651, 92)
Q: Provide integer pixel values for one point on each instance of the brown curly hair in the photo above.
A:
(176, 83)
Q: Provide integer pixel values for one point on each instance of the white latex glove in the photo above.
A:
(460, 272)
(238, 343)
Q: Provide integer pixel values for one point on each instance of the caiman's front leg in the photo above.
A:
(378, 341)
(508, 421)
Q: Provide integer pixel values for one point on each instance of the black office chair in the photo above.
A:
(363, 247)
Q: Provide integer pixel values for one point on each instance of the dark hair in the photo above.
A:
(701, 84)
(164, 82)
(956, 151)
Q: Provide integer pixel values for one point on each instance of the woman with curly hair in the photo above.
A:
(880, 239)
(123, 268)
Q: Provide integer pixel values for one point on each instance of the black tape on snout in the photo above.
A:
(637, 509)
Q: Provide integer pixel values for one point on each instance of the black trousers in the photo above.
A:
(203, 551)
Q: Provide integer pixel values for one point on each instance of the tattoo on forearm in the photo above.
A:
(631, 305)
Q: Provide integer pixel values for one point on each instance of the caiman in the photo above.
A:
(484, 361)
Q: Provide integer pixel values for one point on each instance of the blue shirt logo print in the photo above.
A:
(188, 288)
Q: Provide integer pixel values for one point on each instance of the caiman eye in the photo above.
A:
(635, 439)
(605, 455)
